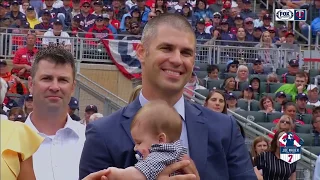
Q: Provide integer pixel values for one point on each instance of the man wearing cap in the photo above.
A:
(15, 12)
(99, 30)
(232, 66)
(313, 95)
(297, 87)
(246, 10)
(45, 25)
(108, 23)
(257, 67)
(56, 36)
(64, 14)
(292, 48)
(97, 7)
(266, 20)
(23, 58)
(248, 26)
(119, 9)
(259, 22)
(90, 109)
(86, 19)
(282, 32)
(134, 32)
(73, 106)
(76, 8)
(143, 9)
(293, 69)
(200, 33)
(113, 21)
(280, 97)
(238, 21)
(75, 30)
(301, 101)
(49, 6)
(257, 32)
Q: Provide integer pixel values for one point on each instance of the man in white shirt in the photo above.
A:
(56, 36)
(313, 93)
(52, 83)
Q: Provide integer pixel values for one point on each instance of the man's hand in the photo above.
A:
(191, 168)
(300, 89)
(100, 175)
(27, 67)
(23, 70)
(181, 165)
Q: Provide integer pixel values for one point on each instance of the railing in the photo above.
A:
(308, 159)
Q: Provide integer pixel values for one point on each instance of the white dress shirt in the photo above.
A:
(179, 106)
(58, 156)
(316, 175)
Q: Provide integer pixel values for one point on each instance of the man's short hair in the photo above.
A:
(54, 54)
(301, 75)
(167, 120)
(173, 20)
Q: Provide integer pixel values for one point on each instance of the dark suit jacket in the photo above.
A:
(215, 144)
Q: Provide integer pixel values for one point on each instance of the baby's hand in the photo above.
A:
(115, 173)
(123, 174)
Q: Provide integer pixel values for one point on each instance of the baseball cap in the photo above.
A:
(109, 8)
(302, 96)
(232, 62)
(283, 28)
(217, 14)
(246, 1)
(226, 6)
(311, 87)
(187, 5)
(230, 96)
(28, 97)
(3, 63)
(105, 16)
(238, 17)
(257, 29)
(249, 87)
(294, 63)
(46, 12)
(257, 61)
(99, 17)
(57, 22)
(85, 2)
(99, 3)
(74, 103)
(267, 16)
(271, 29)
(77, 18)
(178, 11)
(224, 21)
(25, 25)
(280, 93)
(289, 33)
(201, 21)
(91, 108)
(30, 8)
(248, 19)
(15, 2)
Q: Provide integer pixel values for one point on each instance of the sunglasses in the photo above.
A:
(272, 32)
(135, 27)
(86, 6)
(249, 22)
(285, 122)
(234, 66)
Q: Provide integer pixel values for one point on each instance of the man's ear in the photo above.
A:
(141, 51)
(162, 138)
(30, 84)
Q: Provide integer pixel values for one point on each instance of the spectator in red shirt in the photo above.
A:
(113, 21)
(99, 30)
(24, 57)
(290, 109)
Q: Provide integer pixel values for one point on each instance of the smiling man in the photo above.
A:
(167, 57)
(51, 83)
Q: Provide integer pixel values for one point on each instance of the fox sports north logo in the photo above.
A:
(284, 15)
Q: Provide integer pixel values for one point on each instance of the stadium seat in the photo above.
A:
(313, 149)
(313, 73)
(236, 93)
(242, 113)
(262, 77)
(258, 116)
(214, 83)
(226, 75)
(202, 66)
(277, 106)
(243, 85)
(290, 79)
(264, 87)
(272, 95)
(281, 71)
(203, 92)
(306, 118)
(307, 138)
(254, 105)
(267, 125)
(308, 106)
(201, 74)
(222, 67)
(243, 104)
(307, 128)
(274, 87)
(272, 116)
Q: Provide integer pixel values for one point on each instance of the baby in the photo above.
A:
(156, 130)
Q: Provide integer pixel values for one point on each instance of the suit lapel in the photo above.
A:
(128, 114)
(197, 136)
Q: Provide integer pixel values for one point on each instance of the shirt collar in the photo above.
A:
(179, 106)
(68, 126)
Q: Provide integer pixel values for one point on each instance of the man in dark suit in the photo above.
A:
(167, 57)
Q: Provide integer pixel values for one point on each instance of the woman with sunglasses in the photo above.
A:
(285, 124)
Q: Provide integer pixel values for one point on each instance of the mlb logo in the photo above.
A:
(300, 14)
